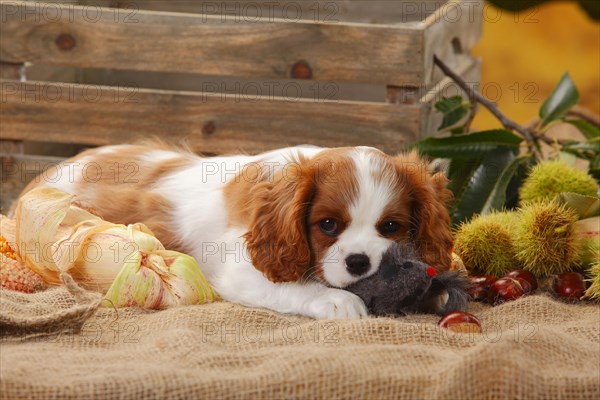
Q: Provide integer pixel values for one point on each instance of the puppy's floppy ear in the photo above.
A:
(277, 239)
(430, 221)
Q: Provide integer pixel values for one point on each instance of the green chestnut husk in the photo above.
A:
(593, 291)
(546, 241)
(485, 244)
(551, 178)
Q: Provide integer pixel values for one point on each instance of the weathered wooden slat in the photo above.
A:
(216, 123)
(366, 11)
(247, 87)
(16, 171)
(11, 147)
(162, 41)
(430, 119)
(450, 33)
(12, 71)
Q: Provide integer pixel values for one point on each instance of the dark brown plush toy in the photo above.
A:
(404, 285)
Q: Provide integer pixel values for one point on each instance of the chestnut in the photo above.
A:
(462, 322)
(569, 285)
(527, 279)
(479, 286)
(505, 289)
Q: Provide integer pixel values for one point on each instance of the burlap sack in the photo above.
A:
(534, 347)
(42, 314)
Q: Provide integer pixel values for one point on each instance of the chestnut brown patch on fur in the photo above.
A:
(126, 166)
(238, 193)
(123, 180)
(430, 221)
(277, 238)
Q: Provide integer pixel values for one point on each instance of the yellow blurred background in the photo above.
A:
(524, 55)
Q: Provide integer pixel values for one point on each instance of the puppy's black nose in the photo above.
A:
(357, 264)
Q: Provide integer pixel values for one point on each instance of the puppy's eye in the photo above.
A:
(389, 228)
(329, 226)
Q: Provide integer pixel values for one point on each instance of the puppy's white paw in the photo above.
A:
(337, 304)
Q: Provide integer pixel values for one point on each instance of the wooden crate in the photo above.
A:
(342, 72)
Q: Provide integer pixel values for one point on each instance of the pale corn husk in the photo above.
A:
(144, 285)
(588, 232)
(128, 263)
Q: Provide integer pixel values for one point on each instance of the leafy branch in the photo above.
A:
(486, 168)
(475, 98)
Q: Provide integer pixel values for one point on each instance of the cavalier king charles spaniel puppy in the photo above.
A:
(286, 230)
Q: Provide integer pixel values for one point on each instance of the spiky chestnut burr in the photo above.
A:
(550, 178)
(485, 244)
(545, 241)
(593, 291)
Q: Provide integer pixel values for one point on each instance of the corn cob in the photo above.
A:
(6, 249)
(15, 275)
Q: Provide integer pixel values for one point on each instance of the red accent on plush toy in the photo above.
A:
(431, 271)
